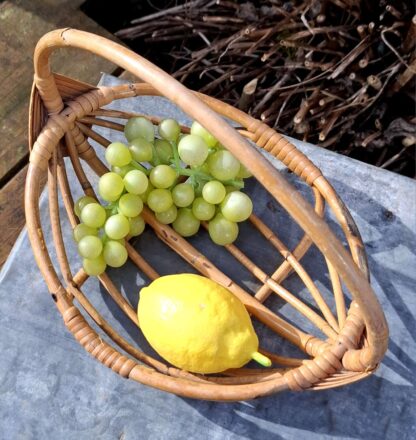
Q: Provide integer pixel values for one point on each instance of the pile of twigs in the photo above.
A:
(338, 73)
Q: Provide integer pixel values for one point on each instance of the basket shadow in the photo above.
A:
(342, 412)
(385, 397)
(253, 244)
(380, 406)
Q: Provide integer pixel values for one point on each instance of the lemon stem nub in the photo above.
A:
(261, 359)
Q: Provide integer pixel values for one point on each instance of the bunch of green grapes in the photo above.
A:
(103, 229)
(183, 179)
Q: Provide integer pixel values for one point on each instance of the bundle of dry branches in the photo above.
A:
(338, 73)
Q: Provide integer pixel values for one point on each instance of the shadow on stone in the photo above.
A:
(378, 407)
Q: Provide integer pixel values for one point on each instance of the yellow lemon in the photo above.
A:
(197, 325)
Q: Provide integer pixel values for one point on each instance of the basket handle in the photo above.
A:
(266, 174)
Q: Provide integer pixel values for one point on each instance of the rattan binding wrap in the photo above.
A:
(63, 112)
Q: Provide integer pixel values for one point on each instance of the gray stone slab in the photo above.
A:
(51, 388)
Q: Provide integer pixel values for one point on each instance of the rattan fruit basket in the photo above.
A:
(63, 114)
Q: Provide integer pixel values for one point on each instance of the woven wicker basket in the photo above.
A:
(62, 114)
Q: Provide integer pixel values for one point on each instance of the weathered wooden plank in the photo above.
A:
(14, 103)
(22, 23)
(12, 213)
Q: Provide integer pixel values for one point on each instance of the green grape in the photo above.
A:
(222, 231)
(93, 215)
(110, 186)
(137, 226)
(243, 172)
(199, 130)
(81, 202)
(122, 171)
(94, 267)
(163, 176)
(159, 200)
(193, 150)
(169, 129)
(203, 210)
(130, 205)
(186, 224)
(117, 226)
(82, 230)
(145, 195)
(223, 165)
(90, 247)
(213, 192)
(183, 195)
(136, 182)
(117, 154)
(163, 151)
(237, 206)
(168, 216)
(139, 127)
(141, 150)
(115, 254)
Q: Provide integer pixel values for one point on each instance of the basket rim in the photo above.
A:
(44, 147)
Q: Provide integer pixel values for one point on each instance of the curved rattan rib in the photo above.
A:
(324, 326)
(347, 349)
(126, 115)
(296, 266)
(66, 192)
(93, 135)
(338, 294)
(55, 219)
(102, 123)
(300, 250)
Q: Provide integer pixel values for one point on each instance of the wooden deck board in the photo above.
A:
(12, 213)
(22, 23)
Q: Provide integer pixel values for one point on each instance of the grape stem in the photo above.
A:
(197, 174)
(112, 207)
(200, 176)
(234, 182)
(139, 167)
(176, 160)
(261, 359)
